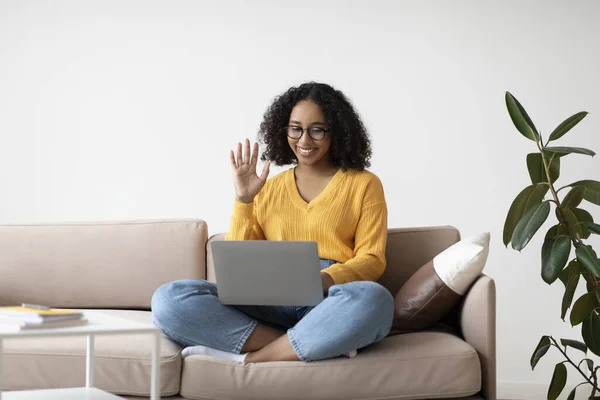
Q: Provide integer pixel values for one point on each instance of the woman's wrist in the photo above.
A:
(327, 281)
(244, 200)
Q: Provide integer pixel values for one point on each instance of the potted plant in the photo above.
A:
(528, 212)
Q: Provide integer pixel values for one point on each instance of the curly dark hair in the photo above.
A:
(350, 143)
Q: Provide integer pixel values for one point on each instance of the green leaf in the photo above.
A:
(582, 308)
(592, 190)
(529, 224)
(595, 228)
(577, 227)
(527, 198)
(590, 364)
(590, 331)
(581, 227)
(559, 379)
(569, 215)
(581, 230)
(572, 394)
(587, 257)
(566, 125)
(540, 351)
(582, 215)
(573, 270)
(556, 230)
(568, 296)
(574, 197)
(536, 169)
(555, 254)
(520, 118)
(570, 150)
(574, 344)
(589, 286)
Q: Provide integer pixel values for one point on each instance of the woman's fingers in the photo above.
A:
(265, 171)
(245, 157)
(247, 153)
(239, 159)
(232, 159)
(254, 158)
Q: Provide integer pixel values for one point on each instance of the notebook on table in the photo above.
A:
(17, 318)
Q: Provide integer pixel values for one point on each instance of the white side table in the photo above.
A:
(98, 324)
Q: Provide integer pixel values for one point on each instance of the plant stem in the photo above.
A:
(573, 364)
(589, 276)
(576, 241)
(595, 376)
(551, 159)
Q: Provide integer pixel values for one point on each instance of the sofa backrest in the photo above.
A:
(98, 264)
(120, 264)
(407, 250)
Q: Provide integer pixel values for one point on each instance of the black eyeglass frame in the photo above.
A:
(307, 130)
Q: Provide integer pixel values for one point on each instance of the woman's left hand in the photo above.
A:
(327, 281)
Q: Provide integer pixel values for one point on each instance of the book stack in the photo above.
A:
(20, 318)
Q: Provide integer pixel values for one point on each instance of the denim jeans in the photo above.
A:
(352, 316)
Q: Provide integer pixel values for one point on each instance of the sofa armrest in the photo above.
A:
(477, 320)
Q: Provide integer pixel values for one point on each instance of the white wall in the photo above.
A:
(127, 110)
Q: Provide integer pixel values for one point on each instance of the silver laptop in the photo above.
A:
(261, 272)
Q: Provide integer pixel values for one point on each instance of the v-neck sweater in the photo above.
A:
(348, 220)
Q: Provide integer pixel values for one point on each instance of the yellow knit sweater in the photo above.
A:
(348, 220)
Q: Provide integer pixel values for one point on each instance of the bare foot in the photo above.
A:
(260, 337)
(278, 350)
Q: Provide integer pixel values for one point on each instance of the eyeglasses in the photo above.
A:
(296, 132)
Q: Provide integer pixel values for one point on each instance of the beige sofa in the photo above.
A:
(116, 266)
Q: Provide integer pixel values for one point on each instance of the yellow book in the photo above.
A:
(31, 314)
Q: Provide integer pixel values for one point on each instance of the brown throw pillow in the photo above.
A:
(436, 288)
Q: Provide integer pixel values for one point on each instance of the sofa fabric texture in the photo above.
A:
(392, 368)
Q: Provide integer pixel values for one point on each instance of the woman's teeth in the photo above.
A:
(305, 151)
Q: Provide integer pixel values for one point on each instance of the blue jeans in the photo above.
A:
(352, 316)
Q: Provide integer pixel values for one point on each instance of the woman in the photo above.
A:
(328, 197)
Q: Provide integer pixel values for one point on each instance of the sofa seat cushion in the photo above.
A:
(420, 365)
(122, 362)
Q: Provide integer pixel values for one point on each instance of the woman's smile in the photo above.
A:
(306, 151)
